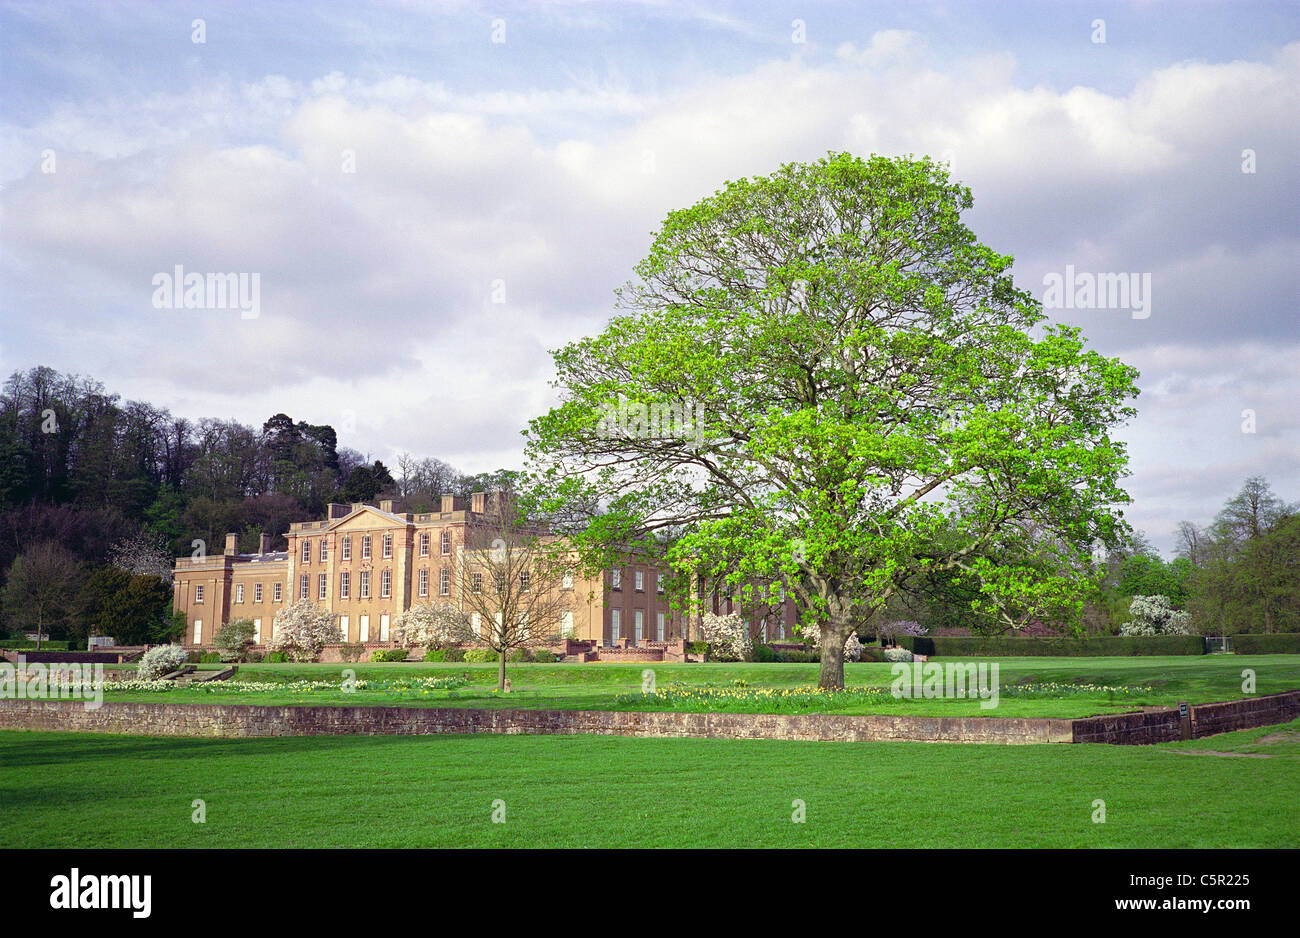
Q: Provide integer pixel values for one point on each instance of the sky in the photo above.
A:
(435, 196)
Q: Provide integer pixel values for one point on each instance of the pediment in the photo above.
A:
(366, 518)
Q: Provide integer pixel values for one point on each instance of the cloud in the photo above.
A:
(379, 284)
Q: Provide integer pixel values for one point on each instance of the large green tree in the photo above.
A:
(822, 376)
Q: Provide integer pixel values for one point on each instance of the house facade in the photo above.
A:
(367, 564)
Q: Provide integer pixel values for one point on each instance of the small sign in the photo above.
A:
(1183, 711)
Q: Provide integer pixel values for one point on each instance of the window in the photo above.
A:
(279, 592)
(476, 623)
(322, 586)
(347, 546)
(198, 594)
(306, 551)
(525, 580)
(424, 582)
(500, 578)
(198, 631)
(476, 582)
(365, 547)
(638, 621)
(383, 627)
(302, 586)
(566, 624)
(364, 635)
(567, 582)
(386, 583)
(659, 584)
(614, 616)
(343, 627)
(640, 582)
(324, 551)
(257, 592)
(659, 627)
(239, 593)
(388, 546)
(257, 631)
(616, 579)
(364, 584)
(424, 544)
(444, 582)
(446, 543)
(345, 585)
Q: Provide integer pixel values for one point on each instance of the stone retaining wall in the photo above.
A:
(157, 719)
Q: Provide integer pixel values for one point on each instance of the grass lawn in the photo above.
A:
(85, 791)
(1142, 681)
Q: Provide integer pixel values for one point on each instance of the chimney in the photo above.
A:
(386, 504)
(448, 503)
(337, 510)
(357, 506)
(232, 544)
(264, 544)
(477, 501)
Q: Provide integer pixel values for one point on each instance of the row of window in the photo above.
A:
(385, 546)
(616, 581)
(385, 585)
(277, 592)
(638, 625)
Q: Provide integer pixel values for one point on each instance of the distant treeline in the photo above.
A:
(82, 471)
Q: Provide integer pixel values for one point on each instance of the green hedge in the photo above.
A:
(25, 644)
(1287, 643)
(1001, 646)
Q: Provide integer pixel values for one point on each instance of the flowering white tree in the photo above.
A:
(892, 630)
(728, 637)
(853, 648)
(302, 630)
(433, 625)
(1153, 615)
(160, 660)
(143, 553)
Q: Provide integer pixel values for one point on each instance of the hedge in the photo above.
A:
(28, 644)
(1002, 646)
(1286, 643)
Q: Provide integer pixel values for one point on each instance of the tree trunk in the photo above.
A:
(833, 636)
(501, 670)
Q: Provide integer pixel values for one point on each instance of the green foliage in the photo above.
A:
(389, 654)
(275, 657)
(435, 654)
(210, 657)
(763, 654)
(454, 654)
(872, 402)
(1276, 644)
(480, 655)
(233, 638)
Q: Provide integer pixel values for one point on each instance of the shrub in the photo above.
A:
(480, 656)
(160, 660)
(455, 654)
(891, 631)
(211, 657)
(388, 654)
(518, 655)
(302, 630)
(697, 648)
(728, 637)
(897, 654)
(853, 648)
(764, 653)
(233, 639)
(275, 657)
(545, 657)
(435, 654)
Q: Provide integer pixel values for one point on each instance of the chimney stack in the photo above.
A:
(477, 502)
(448, 503)
(337, 510)
(232, 544)
(264, 544)
(386, 504)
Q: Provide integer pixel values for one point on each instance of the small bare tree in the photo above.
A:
(511, 578)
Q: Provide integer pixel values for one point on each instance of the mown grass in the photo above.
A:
(1142, 682)
(85, 791)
